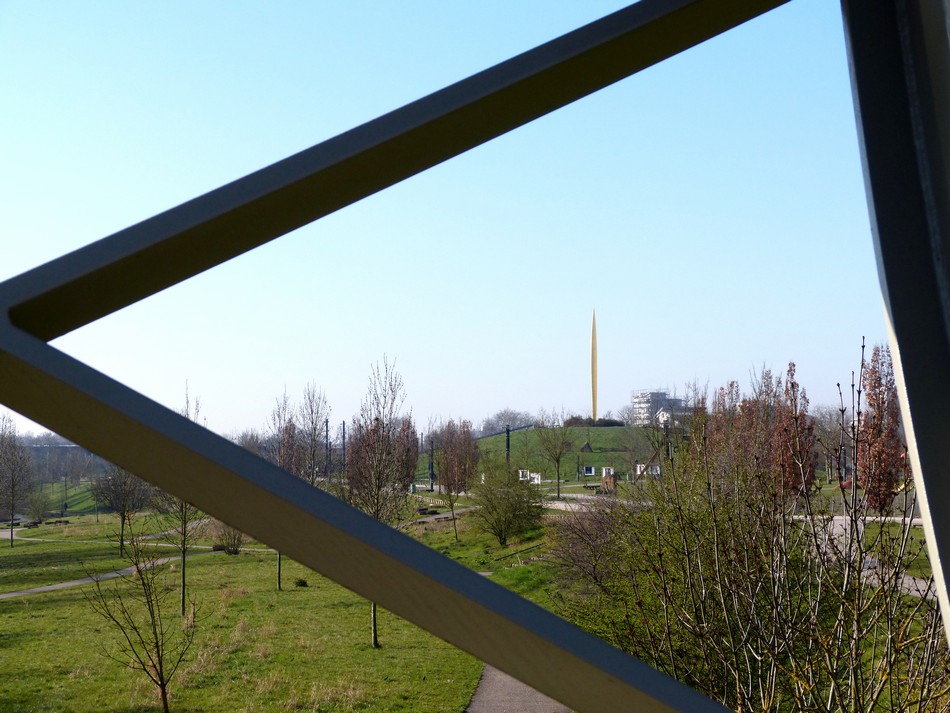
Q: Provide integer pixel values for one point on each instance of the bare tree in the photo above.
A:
(383, 454)
(457, 461)
(124, 493)
(16, 472)
(507, 417)
(38, 504)
(553, 443)
(185, 518)
(285, 448)
(151, 641)
(314, 413)
(229, 538)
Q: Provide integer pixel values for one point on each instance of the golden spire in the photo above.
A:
(593, 365)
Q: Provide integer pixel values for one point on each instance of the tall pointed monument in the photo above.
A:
(593, 365)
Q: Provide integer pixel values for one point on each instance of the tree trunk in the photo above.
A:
(372, 614)
(122, 535)
(183, 554)
(278, 572)
(454, 525)
(164, 689)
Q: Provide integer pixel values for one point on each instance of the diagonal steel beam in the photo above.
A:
(221, 478)
(900, 73)
(141, 260)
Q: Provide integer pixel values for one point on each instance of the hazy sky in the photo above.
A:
(711, 209)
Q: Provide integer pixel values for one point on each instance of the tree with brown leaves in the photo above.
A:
(456, 463)
(880, 448)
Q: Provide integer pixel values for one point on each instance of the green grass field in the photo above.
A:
(616, 446)
(257, 649)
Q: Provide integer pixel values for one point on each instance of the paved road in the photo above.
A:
(498, 692)
(85, 580)
(80, 582)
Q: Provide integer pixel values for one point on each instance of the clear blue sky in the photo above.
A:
(711, 209)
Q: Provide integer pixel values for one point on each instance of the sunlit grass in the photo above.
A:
(256, 649)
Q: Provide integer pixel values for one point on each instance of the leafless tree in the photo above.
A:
(507, 417)
(456, 462)
(229, 538)
(382, 456)
(124, 493)
(314, 413)
(186, 520)
(38, 504)
(150, 641)
(16, 472)
(285, 448)
(553, 442)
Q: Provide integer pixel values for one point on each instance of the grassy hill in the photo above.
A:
(616, 446)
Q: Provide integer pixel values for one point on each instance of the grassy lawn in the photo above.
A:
(918, 562)
(256, 649)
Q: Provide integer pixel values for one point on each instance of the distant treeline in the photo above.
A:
(575, 421)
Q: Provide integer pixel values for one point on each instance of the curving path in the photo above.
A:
(92, 578)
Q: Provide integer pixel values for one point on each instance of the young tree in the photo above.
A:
(229, 538)
(553, 443)
(504, 505)
(285, 447)
(313, 413)
(16, 473)
(124, 493)
(38, 504)
(382, 456)
(151, 641)
(880, 448)
(457, 461)
(186, 519)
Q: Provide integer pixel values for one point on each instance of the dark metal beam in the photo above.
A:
(900, 73)
(173, 246)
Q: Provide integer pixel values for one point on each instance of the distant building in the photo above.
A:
(651, 408)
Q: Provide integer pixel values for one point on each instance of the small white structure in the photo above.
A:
(534, 478)
(588, 470)
(647, 469)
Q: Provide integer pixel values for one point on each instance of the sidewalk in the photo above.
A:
(498, 692)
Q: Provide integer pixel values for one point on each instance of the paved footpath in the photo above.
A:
(498, 692)
(79, 582)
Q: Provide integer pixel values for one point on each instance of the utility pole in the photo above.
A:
(326, 459)
(344, 446)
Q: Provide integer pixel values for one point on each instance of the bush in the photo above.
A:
(505, 505)
(300, 582)
(228, 539)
